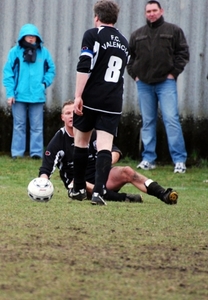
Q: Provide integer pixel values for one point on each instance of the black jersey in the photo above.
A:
(104, 55)
(59, 153)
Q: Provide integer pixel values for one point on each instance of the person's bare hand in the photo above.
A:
(44, 176)
(78, 106)
(170, 76)
(10, 101)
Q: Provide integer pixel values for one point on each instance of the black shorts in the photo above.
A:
(92, 119)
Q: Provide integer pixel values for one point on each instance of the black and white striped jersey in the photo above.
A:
(104, 55)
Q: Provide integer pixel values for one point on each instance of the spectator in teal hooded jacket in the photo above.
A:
(29, 70)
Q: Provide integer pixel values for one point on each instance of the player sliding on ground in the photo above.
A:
(59, 153)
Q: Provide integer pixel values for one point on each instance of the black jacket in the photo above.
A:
(157, 49)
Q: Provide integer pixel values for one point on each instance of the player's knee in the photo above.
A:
(128, 173)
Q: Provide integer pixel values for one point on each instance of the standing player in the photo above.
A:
(98, 96)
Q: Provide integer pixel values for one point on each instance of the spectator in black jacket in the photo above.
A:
(159, 53)
(59, 153)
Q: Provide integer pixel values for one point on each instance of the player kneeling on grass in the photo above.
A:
(59, 153)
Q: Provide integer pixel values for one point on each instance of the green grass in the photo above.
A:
(71, 250)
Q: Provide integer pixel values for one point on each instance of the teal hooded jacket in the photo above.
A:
(24, 81)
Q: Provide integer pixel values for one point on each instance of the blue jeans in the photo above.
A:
(34, 112)
(164, 93)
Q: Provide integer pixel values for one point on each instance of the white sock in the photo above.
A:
(148, 182)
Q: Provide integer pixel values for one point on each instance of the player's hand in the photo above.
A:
(10, 101)
(44, 176)
(170, 76)
(78, 106)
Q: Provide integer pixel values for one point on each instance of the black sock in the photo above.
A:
(114, 196)
(103, 166)
(154, 189)
(80, 165)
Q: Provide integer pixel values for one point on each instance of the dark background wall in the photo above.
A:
(128, 139)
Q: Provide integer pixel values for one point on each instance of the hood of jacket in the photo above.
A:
(29, 29)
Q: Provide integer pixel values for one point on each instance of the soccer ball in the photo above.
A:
(40, 189)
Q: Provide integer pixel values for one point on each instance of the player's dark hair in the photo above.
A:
(68, 102)
(107, 11)
(154, 2)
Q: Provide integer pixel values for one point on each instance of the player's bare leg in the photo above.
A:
(119, 176)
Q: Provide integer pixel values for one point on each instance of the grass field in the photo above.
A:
(70, 250)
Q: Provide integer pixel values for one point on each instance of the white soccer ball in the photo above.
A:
(40, 189)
